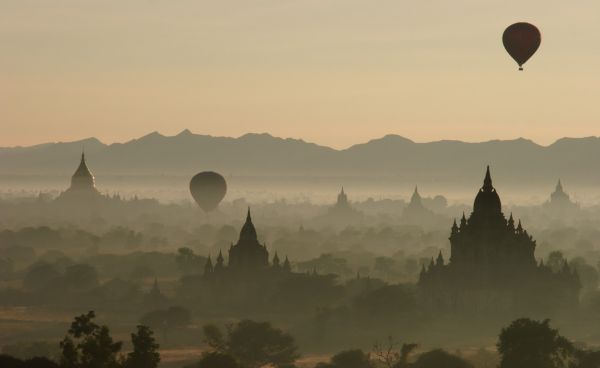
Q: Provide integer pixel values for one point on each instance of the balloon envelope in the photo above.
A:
(521, 41)
(208, 189)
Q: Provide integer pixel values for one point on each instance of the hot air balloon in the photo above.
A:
(208, 189)
(521, 41)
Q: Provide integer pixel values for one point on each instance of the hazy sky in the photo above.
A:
(335, 72)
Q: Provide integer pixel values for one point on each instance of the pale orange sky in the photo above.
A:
(335, 72)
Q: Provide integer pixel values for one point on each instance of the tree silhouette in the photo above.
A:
(253, 344)
(533, 344)
(217, 360)
(390, 357)
(88, 345)
(588, 359)
(351, 359)
(7, 361)
(439, 358)
(145, 350)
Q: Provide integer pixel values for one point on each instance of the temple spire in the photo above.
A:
(454, 228)
(559, 187)
(511, 222)
(248, 232)
(487, 182)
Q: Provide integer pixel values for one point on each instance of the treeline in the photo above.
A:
(525, 343)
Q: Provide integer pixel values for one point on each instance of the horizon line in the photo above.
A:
(390, 135)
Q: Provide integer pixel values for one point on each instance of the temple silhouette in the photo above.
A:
(247, 256)
(342, 213)
(415, 213)
(83, 185)
(492, 264)
(560, 200)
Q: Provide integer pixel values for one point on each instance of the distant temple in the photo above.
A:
(342, 213)
(492, 264)
(342, 204)
(83, 185)
(560, 200)
(247, 255)
(415, 207)
(417, 214)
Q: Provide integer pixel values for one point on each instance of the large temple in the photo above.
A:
(83, 184)
(247, 255)
(492, 264)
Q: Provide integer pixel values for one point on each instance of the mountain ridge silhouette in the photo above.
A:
(263, 154)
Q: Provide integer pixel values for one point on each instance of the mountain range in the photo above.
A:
(265, 155)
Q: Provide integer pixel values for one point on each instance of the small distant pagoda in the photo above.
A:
(416, 207)
(560, 200)
(83, 184)
(416, 213)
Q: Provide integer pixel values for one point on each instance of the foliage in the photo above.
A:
(88, 345)
(7, 361)
(351, 359)
(32, 349)
(145, 350)
(217, 360)
(354, 358)
(253, 344)
(528, 343)
(390, 357)
(439, 358)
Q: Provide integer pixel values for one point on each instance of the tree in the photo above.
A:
(40, 362)
(217, 360)
(253, 344)
(7, 361)
(440, 358)
(145, 349)
(390, 357)
(351, 359)
(533, 344)
(88, 345)
(588, 359)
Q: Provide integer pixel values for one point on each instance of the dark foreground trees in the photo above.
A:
(527, 343)
(7, 361)
(439, 358)
(252, 344)
(533, 344)
(215, 359)
(145, 350)
(89, 345)
(354, 358)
